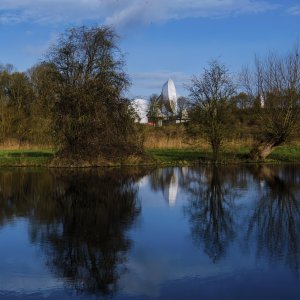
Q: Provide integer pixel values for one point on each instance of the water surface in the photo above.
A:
(172, 233)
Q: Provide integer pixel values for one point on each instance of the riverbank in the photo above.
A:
(26, 157)
(159, 157)
(46, 158)
(283, 154)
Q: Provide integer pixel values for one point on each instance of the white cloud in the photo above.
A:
(123, 12)
(158, 75)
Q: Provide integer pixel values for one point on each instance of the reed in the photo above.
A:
(15, 144)
(161, 142)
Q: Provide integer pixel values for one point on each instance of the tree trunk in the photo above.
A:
(261, 151)
(215, 151)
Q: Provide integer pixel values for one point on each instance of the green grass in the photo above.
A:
(176, 155)
(234, 155)
(286, 154)
(193, 155)
(12, 158)
(188, 156)
(41, 157)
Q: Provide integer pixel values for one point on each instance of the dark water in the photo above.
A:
(173, 233)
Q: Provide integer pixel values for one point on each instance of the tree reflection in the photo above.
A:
(275, 220)
(80, 221)
(210, 212)
(21, 193)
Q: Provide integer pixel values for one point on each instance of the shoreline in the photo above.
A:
(45, 158)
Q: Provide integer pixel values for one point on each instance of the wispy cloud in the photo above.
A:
(11, 18)
(152, 82)
(124, 12)
(294, 10)
(161, 11)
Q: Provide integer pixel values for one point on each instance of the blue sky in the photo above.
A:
(161, 39)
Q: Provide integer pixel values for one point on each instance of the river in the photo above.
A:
(227, 232)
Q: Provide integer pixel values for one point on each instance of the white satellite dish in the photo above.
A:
(141, 107)
(169, 97)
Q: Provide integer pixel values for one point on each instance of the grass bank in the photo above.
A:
(170, 157)
(230, 155)
(26, 157)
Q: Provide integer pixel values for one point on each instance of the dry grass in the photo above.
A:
(181, 142)
(295, 143)
(236, 144)
(171, 137)
(15, 144)
(163, 142)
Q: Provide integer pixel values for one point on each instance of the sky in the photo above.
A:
(161, 39)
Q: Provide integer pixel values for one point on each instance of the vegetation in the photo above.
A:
(186, 155)
(22, 157)
(74, 102)
(210, 94)
(91, 117)
(154, 111)
(230, 155)
(275, 83)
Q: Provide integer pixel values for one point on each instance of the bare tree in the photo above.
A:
(182, 108)
(155, 109)
(210, 94)
(275, 85)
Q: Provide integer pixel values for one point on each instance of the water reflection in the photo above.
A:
(23, 193)
(216, 220)
(276, 217)
(79, 219)
(222, 219)
(271, 223)
(167, 181)
(210, 211)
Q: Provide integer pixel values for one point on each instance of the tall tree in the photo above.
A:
(19, 96)
(43, 104)
(5, 124)
(210, 94)
(91, 116)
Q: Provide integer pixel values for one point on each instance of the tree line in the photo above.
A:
(75, 99)
(269, 101)
(261, 103)
(26, 104)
